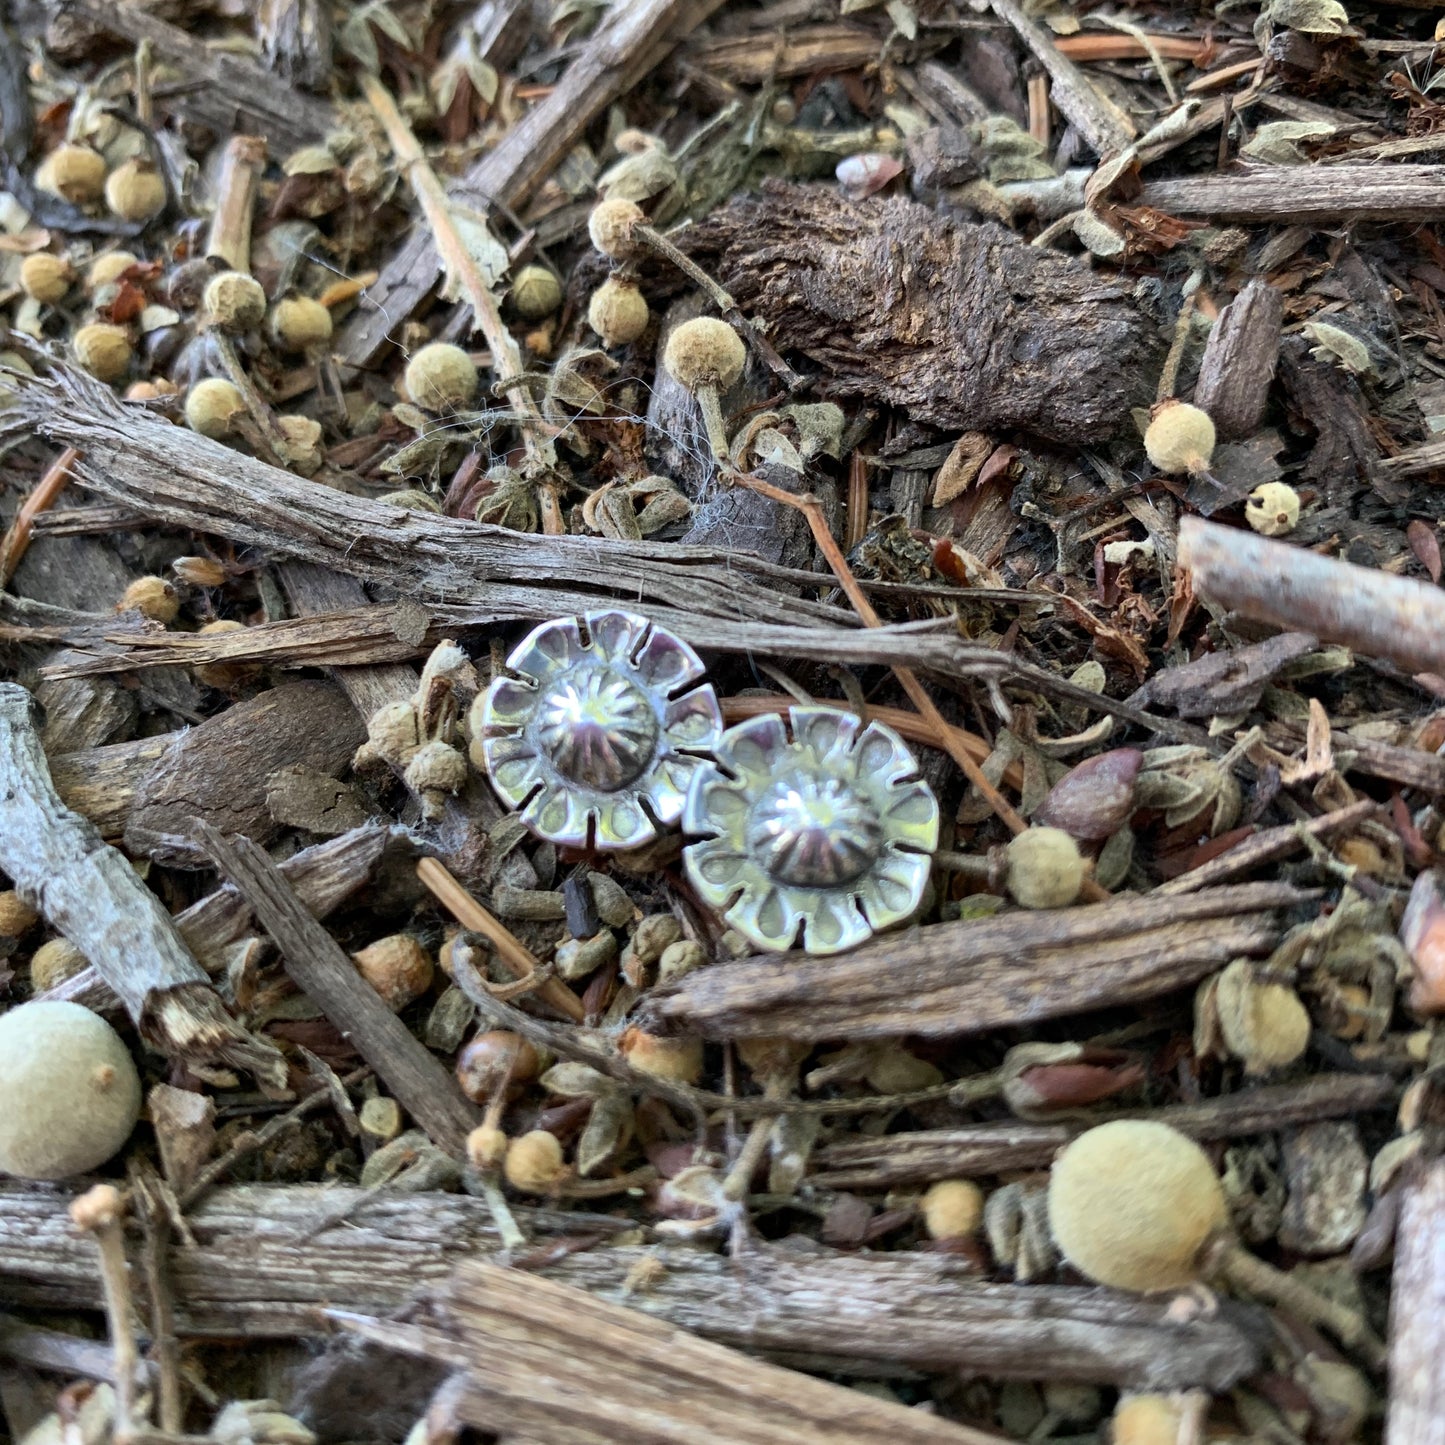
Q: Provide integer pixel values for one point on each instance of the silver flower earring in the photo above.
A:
(595, 736)
(829, 835)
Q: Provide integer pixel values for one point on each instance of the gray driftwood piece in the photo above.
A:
(87, 890)
(950, 979)
(262, 1269)
(1239, 361)
(1417, 1312)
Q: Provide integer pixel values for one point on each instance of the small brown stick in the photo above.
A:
(165, 1348)
(260, 413)
(47, 490)
(1366, 610)
(857, 501)
(460, 264)
(519, 960)
(1039, 108)
(98, 1212)
(236, 190)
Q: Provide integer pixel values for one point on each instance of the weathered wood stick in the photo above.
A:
(1417, 1313)
(87, 890)
(416, 1077)
(923, 1155)
(262, 1269)
(101, 783)
(237, 186)
(1417, 461)
(1291, 587)
(951, 979)
(1307, 194)
(630, 1377)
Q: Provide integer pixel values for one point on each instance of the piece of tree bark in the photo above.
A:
(100, 783)
(923, 1155)
(262, 1269)
(1308, 195)
(90, 893)
(295, 38)
(1417, 1313)
(1415, 462)
(950, 979)
(218, 771)
(1239, 361)
(625, 47)
(963, 325)
(224, 91)
(415, 1077)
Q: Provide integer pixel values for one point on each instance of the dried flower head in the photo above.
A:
(16, 915)
(234, 301)
(212, 405)
(826, 837)
(46, 277)
(486, 1147)
(1262, 1023)
(135, 190)
(441, 377)
(222, 674)
(397, 967)
(618, 311)
(1132, 1204)
(108, 268)
(297, 323)
(152, 597)
(677, 1060)
(103, 350)
(1179, 438)
(536, 292)
(1272, 509)
(706, 356)
(611, 225)
(56, 960)
(593, 737)
(1147, 1420)
(952, 1209)
(493, 1060)
(75, 173)
(534, 1162)
(1045, 868)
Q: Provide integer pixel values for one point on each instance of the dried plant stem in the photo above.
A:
(165, 1347)
(777, 1087)
(98, 1212)
(1169, 376)
(857, 501)
(519, 960)
(260, 413)
(460, 264)
(17, 538)
(240, 180)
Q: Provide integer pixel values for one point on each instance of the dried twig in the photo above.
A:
(1417, 1312)
(17, 538)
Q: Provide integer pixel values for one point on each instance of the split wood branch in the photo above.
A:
(322, 970)
(90, 893)
(1417, 1312)
(258, 1271)
(1290, 587)
(1307, 195)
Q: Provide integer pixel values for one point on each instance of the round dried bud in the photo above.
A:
(1095, 798)
(610, 226)
(1045, 868)
(152, 597)
(1264, 1024)
(679, 1060)
(771, 1054)
(1179, 438)
(397, 967)
(103, 350)
(1072, 1402)
(618, 312)
(411, 500)
(380, 1119)
(678, 959)
(107, 269)
(394, 732)
(11, 361)
(609, 897)
(441, 377)
(46, 277)
(656, 932)
(75, 173)
(302, 435)
(494, 1060)
(1132, 1203)
(952, 1209)
(56, 960)
(98, 1208)
(536, 292)
(1272, 509)
(199, 571)
(895, 1071)
(534, 1162)
(212, 405)
(71, 1091)
(234, 301)
(186, 282)
(16, 915)
(577, 957)
(221, 674)
(486, 1147)
(298, 322)
(436, 767)
(703, 352)
(1146, 1420)
(135, 190)
(151, 390)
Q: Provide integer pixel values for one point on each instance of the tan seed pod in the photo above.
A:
(103, 350)
(1132, 1204)
(46, 277)
(56, 960)
(397, 967)
(703, 351)
(222, 674)
(212, 405)
(680, 958)
(107, 269)
(135, 190)
(679, 1060)
(234, 301)
(952, 1209)
(152, 597)
(486, 1147)
(393, 733)
(1262, 1023)
(536, 292)
(495, 1059)
(75, 173)
(610, 226)
(1045, 868)
(16, 915)
(441, 377)
(1272, 509)
(302, 435)
(1146, 1420)
(151, 390)
(1179, 438)
(534, 1162)
(618, 312)
(199, 571)
(437, 767)
(297, 323)
(411, 500)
